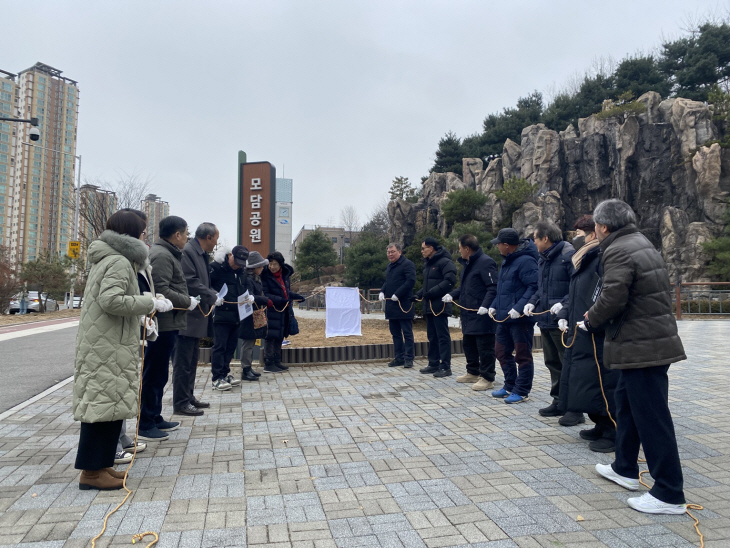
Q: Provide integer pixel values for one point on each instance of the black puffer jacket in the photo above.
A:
(279, 317)
(222, 273)
(400, 277)
(580, 387)
(439, 277)
(255, 288)
(553, 280)
(635, 304)
(477, 288)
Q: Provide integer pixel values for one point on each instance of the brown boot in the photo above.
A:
(119, 474)
(98, 479)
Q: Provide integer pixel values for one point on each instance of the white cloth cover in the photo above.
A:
(343, 312)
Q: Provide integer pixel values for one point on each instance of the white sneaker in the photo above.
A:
(651, 505)
(606, 470)
(482, 384)
(467, 377)
(122, 457)
(230, 379)
(221, 385)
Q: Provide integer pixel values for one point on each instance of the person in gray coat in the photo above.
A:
(641, 342)
(195, 267)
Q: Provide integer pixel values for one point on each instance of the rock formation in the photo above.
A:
(656, 161)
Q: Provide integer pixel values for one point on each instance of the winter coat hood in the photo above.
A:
(113, 243)
(221, 253)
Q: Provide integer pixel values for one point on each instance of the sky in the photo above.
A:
(341, 96)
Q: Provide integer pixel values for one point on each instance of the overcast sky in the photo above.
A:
(341, 96)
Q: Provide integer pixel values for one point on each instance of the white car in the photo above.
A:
(34, 303)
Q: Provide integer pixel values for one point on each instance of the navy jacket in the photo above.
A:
(279, 321)
(400, 277)
(439, 277)
(222, 273)
(554, 268)
(477, 288)
(517, 281)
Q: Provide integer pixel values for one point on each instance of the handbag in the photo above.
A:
(259, 318)
(293, 325)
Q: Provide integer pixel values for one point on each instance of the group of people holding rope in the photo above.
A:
(608, 333)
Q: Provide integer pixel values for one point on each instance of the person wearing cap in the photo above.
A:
(247, 332)
(439, 277)
(226, 269)
(516, 284)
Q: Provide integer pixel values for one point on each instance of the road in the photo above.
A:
(34, 357)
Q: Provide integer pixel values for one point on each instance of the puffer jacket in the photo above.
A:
(553, 282)
(517, 282)
(477, 288)
(106, 372)
(635, 304)
(235, 280)
(254, 288)
(400, 277)
(279, 317)
(439, 277)
(169, 280)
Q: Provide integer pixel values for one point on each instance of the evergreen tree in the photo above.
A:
(510, 123)
(315, 253)
(366, 262)
(449, 155)
(401, 189)
(460, 206)
(514, 193)
(47, 274)
(639, 75)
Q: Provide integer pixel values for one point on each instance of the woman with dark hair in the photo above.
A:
(276, 285)
(255, 265)
(580, 380)
(106, 373)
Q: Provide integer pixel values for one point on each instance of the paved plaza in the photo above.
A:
(360, 455)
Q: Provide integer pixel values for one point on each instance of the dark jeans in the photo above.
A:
(643, 418)
(479, 353)
(97, 445)
(439, 341)
(272, 351)
(225, 340)
(553, 352)
(187, 351)
(155, 373)
(402, 331)
(518, 369)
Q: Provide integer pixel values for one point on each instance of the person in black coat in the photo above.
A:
(476, 292)
(580, 384)
(247, 333)
(276, 285)
(439, 277)
(400, 277)
(226, 269)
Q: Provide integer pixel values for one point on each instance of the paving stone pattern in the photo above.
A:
(362, 455)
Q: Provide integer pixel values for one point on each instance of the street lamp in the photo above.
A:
(34, 134)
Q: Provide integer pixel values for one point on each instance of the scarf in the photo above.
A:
(279, 278)
(578, 255)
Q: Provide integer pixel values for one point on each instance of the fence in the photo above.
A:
(689, 299)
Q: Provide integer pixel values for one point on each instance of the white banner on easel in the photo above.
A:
(343, 312)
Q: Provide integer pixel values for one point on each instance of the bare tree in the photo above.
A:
(131, 189)
(350, 219)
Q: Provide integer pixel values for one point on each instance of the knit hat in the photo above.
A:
(507, 236)
(240, 254)
(255, 260)
(432, 242)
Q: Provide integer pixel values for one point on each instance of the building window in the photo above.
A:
(334, 240)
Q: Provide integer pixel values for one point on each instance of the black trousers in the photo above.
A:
(225, 340)
(155, 373)
(439, 341)
(187, 351)
(643, 418)
(604, 424)
(479, 353)
(553, 352)
(272, 351)
(97, 445)
(402, 332)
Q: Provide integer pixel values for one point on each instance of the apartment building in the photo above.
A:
(339, 236)
(156, 209)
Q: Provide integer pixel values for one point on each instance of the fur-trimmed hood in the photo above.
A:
(220, 254)
(113, 243)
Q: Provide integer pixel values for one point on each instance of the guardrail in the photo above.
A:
(690, 301)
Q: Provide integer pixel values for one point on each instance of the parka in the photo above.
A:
(222, 273)
(554, 268)
(439, 277)
(195, 268)
(635, 304)
(106, 370)
(278, 316)
(400, 277)
(517, 282)
(477, 287)
(169, 280)
(255, 289)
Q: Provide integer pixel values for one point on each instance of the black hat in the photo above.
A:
(431, 242)
(240, 255)
(507, 236)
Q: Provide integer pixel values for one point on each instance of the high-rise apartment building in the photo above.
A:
(282, 237)
(156, 209)
(39, 185)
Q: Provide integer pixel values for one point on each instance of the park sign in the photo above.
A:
(256, 205)
(74, 249)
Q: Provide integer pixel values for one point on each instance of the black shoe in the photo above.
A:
(281, 366)
(255, 373)
(571, 419)
(443, 372)
(200, 404)
(248, 375)
(396, 363)
(408, 365)
(550, 411)
(429, 370)
(168, 426)
(592, 434)
(189, 410)
(271, 368)
(604, 445)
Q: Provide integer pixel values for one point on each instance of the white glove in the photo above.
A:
(557, 307)
(218, 301)
(563, 325)
(394, 297)
(447, 298)
(150, 326)
(193, 302)
(381, 297)
(527, 311)
(514, 314)
(492, 312)
(482, 311)
(582, 325)
(163, 305)
(250, 299)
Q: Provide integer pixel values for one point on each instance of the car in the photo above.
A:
(77, 302)
(33, 300)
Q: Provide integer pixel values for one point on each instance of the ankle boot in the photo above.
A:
(256, 373)
(277, 363)
(248, 375)
(98, 479)
(119, 474)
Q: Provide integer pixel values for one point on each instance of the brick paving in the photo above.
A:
(363, 455)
